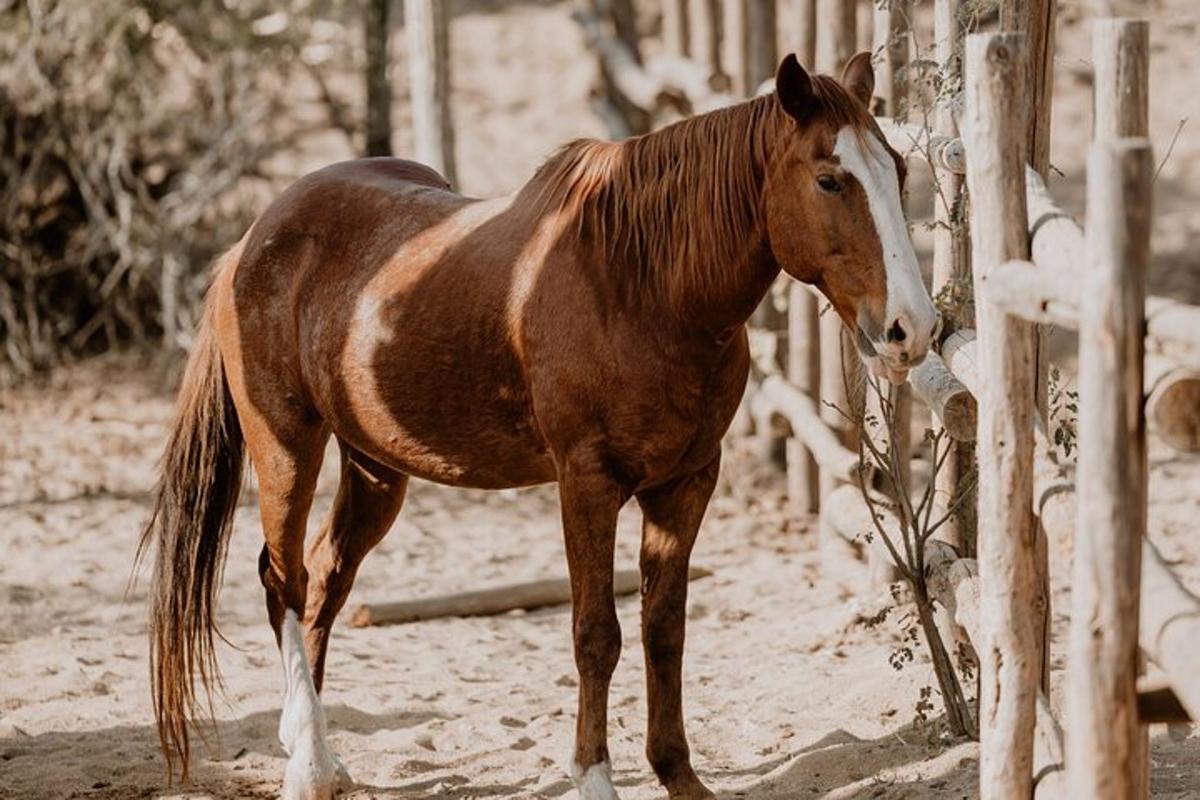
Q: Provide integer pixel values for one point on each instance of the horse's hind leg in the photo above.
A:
(672, 517)
(286, 451)
(368, 498)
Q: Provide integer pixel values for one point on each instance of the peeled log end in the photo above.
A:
(1173, 409)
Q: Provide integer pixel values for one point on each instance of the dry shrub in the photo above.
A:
(134, 139)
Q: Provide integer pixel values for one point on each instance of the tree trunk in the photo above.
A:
(379, 88)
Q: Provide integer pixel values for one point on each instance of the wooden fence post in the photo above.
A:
(805, 22)
(803, 372)
(1036, 19)
(428, 32)
(1121, 57)
(835, 45)
(891, 35)
(951, 264)
(1102, 732)
(893, 22)
(705, 34)
(749, 43)
(804, 330)
(675, 29)
(836, 27)
(996, 102)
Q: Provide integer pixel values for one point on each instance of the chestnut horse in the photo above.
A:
(589, 330)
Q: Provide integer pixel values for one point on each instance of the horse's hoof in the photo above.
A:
(693, 790)
(310, 774)
(699, 793)
(595, 782)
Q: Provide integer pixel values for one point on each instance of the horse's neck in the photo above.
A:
(679, 215)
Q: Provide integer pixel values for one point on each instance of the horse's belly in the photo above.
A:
(482, 450)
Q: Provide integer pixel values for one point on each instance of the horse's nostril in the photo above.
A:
(895, 333)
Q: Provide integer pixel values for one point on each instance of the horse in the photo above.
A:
(587, 330)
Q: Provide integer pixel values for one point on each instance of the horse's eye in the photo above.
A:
(830, 184)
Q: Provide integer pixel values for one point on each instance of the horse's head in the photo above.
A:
(835, 219)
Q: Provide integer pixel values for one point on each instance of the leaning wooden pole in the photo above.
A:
(1103, 732)
(428, 34)
(1009, 650)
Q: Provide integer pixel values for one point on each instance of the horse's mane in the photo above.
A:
(679, 206)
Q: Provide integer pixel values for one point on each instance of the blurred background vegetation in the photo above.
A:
(136, 142)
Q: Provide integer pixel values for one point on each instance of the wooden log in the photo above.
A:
(942, 152)
(644, 89)
(1157, 702)
(1174, 327)
(1102, 740)
(428, 36)
(851, 549)
(803, 372)
(1032, 293)
(954, 584)
(1009, 648)
(809, 425)
(1168, 615)
(1169, 627)
(945, 395)
(490, 602)
(1121, 57)
(1173, 403)
(692, 83)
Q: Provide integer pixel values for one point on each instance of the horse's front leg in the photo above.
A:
(590, 502)
(672, 517)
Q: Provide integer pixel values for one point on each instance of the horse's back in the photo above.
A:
(377, 297)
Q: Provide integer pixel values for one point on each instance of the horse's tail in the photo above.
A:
(196, 495)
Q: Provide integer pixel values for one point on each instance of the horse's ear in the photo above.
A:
(858, 76)
(795, 89)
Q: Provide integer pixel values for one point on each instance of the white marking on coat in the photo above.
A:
(594, 783)
(311, 772)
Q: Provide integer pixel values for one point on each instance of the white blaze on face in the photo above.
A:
(865, 157)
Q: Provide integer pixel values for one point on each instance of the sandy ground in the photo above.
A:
(788, 694)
